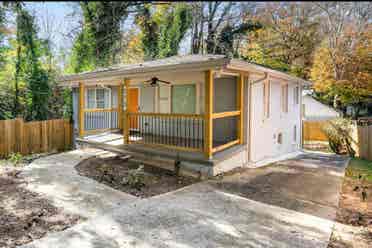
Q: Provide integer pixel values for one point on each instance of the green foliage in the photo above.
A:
(173, 25)
(98, 43)
(338, 132)
(15, 158)
(29, 68)
(359, 167)
(135, 178)
(163, 28)
(361, 171)
(83, 53)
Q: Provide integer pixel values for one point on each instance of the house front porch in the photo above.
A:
(189, 163)
(179, 117)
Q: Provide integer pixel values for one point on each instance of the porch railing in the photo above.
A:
(181, 131)
(100, 119)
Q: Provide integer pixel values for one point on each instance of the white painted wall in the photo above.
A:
(264, 133)
(315, 110)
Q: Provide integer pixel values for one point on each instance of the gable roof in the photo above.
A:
(175, 62)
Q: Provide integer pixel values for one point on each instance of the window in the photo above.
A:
(280, 138)
(296, 94)
(294, 133)
(98, 98)
(184, 99)
(284, 98)
(266, 99)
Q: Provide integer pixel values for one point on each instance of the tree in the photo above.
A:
(163, 27)
(28, 67)
(289, 37)
(218, 25)
(355, 86)
(99, 41)
(345, 76)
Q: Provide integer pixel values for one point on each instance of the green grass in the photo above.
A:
(358, 167)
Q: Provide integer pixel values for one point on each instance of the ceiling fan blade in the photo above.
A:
(166, 82)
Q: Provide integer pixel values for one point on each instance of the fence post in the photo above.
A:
(19, 133)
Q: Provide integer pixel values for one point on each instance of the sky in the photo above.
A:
(56, 14)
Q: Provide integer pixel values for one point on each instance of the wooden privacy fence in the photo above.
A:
(361, 136)
(312, 131)
(364, 144)
(34, 137)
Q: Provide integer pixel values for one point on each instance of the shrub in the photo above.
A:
(15, 158)
(135, 178)
(338, 132)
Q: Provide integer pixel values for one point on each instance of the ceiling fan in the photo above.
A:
(154, 81)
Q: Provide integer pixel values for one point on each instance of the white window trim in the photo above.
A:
(196, 96)
(169, 101)
(284, 97)
(95, 98)
(266, 88)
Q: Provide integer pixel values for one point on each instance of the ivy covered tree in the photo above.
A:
(99, 42)
(28, 68)
(163, 28)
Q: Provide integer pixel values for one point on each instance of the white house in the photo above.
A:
(206, 113)
(314, 110)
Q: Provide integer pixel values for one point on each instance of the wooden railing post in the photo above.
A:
(81, 108)
(126, 115)
(239, 105)
(120, 105)
(208, 114)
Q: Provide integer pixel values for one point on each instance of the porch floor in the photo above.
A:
(115, 139)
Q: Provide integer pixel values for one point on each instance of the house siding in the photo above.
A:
(265, 131)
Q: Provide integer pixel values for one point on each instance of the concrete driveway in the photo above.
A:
(287, 204)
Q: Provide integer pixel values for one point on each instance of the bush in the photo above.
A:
(15, 158)
(338, 132)
(135, 178)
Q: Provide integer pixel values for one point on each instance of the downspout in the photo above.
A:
(250, 113)
(301, 117)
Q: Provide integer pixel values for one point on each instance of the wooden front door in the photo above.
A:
(133, 107)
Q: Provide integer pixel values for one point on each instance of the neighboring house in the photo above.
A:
(314, 110)
(216, 114)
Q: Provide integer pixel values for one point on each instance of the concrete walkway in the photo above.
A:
(56, 178)
(217, 214)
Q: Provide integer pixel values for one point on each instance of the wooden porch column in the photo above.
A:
(81, 108)
(239, 105)
(120, 105)
(126, 115)
(208, 114)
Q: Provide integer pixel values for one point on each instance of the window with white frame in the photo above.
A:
(99, 98)
(266, 98)
(284, 98)
(183, 99)
(296, 94)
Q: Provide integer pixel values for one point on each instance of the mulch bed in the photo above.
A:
(24, 215)
(114, 172)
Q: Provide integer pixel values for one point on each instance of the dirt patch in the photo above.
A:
(24, 215)
(354, 211)
(114, 172)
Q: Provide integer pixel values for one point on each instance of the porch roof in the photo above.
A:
(185, 62)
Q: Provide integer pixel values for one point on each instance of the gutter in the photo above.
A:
(139, 71)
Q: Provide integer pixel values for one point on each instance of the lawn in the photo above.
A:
(359, 167)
